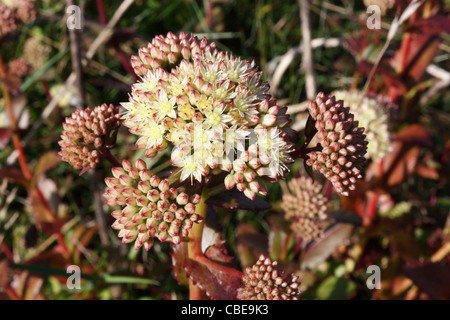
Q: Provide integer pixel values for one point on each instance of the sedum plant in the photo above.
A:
(211, 114)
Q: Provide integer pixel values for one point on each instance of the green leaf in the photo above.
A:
(127, 280)
(336, 288)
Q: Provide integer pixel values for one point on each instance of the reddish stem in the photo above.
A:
(18, 146)
(62, 243)
(195, 249)
(12, 294)
(101, 12)
(406, 44)
(22, 159)
(106, 153)
(124, 60)
(194, 292)
(209, 13)
(44, 203)
(371, 208)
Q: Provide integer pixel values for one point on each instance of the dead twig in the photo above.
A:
(276, 67)
(307, 58)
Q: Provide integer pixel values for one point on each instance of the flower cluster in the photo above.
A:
(305, 204)
(36, 53)
(18, 67)
(86, 132)
(372, 114)
(7, 20)
(212, 109)
(261, 282)
(384, 5)
(151, 208)
(13, 12)
(342, 143)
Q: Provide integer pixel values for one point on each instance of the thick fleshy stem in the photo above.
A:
(106, 154)
(195, 242)
(195, 248)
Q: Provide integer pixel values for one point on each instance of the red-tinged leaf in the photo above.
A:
(234, 199)
(14, 175)
(354, 42)
(321, 249)
(48, 161)
(402, 166)
(179, 257)
(401, 6)
(434, 25)
(5, 137)
(420, 52)
(364, 67)
(4, 274)
(400, 284)
(43, 216)
(217, 284)
(219, 253)
(12, 83)
(396, 87)
(415, 134)
(50, 258)
(427, 172)
(431, 278)
(53, 227)
(27, 287)
(405, 245)
(250, 244)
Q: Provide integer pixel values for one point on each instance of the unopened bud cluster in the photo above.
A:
(372, 114)
(306, 206)
(343, 144)
(18, 67)
(204, 104)
(13, 12)
(85, 132)
(7, 20)
(151, 208)
(262, 282)
(36, 53)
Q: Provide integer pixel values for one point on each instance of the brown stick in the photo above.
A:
(77, 66)
(307, 59)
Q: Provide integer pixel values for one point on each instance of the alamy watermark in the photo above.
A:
(374, 20)
(74, 17)
(74, 281)
(374, 280)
